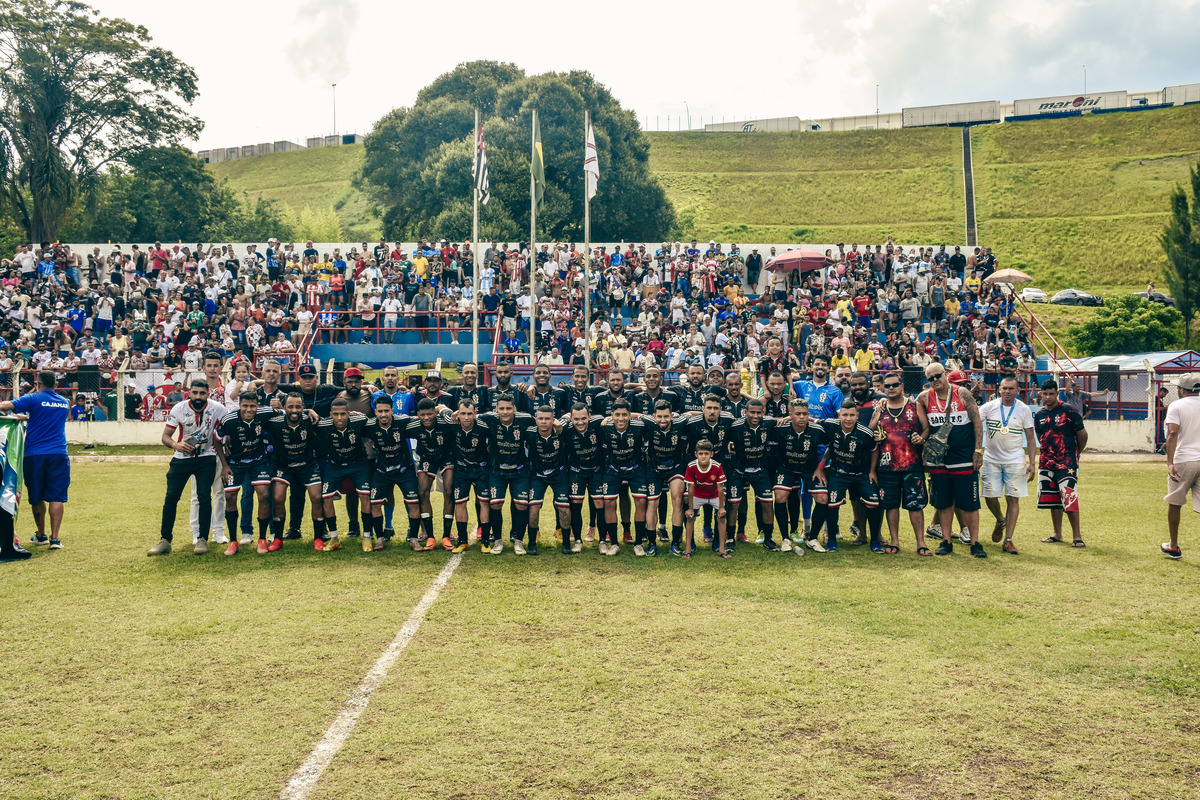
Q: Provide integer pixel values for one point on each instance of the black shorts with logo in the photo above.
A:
(903, 490)
(556, 482)
(640, 485)
(503, 482)
(384, 480)
(842, 487)
(337, 475)
(590, 481)
(301, 476)
(957, 489)
(257, 472)
(468, 477)
(740, 483)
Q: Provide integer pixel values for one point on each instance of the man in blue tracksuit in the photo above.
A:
(824, 399)
(46, 466)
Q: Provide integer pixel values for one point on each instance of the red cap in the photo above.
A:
(958, 376)
(352, 372)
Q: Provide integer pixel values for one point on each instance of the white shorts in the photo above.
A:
(697, 502)
(1177, 491)
(1003, 480)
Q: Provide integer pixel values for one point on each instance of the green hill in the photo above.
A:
(1076, 202)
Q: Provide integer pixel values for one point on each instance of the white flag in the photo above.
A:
(479, 169)
(591, 166)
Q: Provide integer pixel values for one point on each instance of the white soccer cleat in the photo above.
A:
(497, 547)
(814, 545)
(518, 547)
(639, 551)
(785, 546)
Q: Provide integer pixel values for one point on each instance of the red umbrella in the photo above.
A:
(798, 261)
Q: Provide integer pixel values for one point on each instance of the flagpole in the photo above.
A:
(475, 244)
(533, 309)
(587, 247)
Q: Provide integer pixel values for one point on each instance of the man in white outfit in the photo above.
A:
(1009, 459)
(213, 364)
(1182, 429)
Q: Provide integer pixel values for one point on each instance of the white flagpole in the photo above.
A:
(533, 309)
(587, 248)
(475, 249)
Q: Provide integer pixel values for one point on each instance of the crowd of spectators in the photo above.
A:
(669, 305)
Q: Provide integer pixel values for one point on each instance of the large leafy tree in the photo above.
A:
(1128, 324)
(1181, 244)
(417, 167)
(167, 193)
(79, 92)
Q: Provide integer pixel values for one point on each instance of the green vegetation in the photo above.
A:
(1129, 324)
(317, 179)
(1180, 242)
(1081, 202)
(1077, 202)
(1056, 673)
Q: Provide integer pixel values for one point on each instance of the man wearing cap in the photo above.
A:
(432, 389)
(47, 469)
(1182, 430)
(753, 268)
(1062, 438)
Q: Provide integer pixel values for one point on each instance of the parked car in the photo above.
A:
(1076, 297)
(1157, 297)
(1032, 294)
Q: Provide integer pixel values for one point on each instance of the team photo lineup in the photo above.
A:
(642, 461)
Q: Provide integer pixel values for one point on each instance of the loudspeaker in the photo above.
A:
(914, 380)
(1109, 379)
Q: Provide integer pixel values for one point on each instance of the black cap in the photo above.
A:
(306, 370)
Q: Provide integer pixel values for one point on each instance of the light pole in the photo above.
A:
(689, 114)
(335, 109)
(877, 106)
(1085, 78)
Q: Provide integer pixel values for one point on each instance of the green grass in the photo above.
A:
(1077, 202)
(1058, 673)
(1081, 202)
(317, 178)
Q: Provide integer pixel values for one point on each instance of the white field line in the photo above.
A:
(305, 778)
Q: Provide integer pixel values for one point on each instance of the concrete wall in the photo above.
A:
(1120, 436)
(112, 433)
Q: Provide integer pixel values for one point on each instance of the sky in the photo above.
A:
(266, 68)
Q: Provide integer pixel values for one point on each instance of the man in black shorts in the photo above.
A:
(509, 473)
(394, 471)
(797, 451)
(546, 471)
(293, 434)
(954, 479)
(848, 457)
(244, 435)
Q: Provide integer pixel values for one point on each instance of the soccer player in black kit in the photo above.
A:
(584, 457)
(509, 472)
(394, 471)
(796, 455)
(341, 446)
(244, 433)
(848, 459)
(293, 435)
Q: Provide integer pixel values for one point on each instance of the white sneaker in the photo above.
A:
(220, 538)
(613, 549)
(602, 548)
(964, 536)
(246, 539)
(934, 531)
(785, 546)
(576, 546)
(497, 547)
(639, 551)
(518, 547)
(814, 545)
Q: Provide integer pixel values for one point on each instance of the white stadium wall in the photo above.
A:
(1071, 102)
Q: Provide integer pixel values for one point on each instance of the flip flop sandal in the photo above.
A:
(1052, 540)
(924, 551)
(1078, 543)
(725, 555)
(891, 549)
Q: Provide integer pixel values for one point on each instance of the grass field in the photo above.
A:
(1058, 673)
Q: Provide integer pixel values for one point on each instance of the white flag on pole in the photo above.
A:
(591, 166)
(479, 169)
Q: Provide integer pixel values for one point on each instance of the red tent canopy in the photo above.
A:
(798, 261)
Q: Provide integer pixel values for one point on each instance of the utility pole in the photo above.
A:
(335, 109)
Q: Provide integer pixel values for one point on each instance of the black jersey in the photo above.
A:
(718, 435)
(777, 409)
(470, 448)
(245, 442)
(667, 450)
(625, 450)
(689, 399)
(848, 453)
(545, 452)
(602, 403)
(319, 400)
(736, 408)
(748, 445)
(551, 397)
(294, 447)
(569, 396)
(583, 450)
(798, 451)
(433, 442)
(643, 403)
(508, 441)
(392, 451)
(480, 395)
(346, 446)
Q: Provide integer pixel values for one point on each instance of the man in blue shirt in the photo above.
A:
(47, 468)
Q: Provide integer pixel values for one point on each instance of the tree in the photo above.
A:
(417, 165)
(1181, 243)
(1128, 324)
(80, 92)
(169, 194)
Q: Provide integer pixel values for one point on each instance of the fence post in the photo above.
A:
(120, 390)
(18, 365)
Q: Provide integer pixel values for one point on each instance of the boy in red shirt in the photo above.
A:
(704, 485)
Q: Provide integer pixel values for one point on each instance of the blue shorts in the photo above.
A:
(47, 478)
